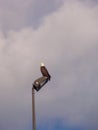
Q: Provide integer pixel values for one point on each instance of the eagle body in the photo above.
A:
(44, 71)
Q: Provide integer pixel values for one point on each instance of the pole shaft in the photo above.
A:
(33, 111)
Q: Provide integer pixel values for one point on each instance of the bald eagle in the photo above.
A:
(44, 71)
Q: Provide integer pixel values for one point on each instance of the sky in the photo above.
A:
(64, 35)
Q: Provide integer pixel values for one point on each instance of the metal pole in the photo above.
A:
(33, 110)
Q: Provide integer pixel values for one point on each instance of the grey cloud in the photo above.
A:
(15, 15)
(20, 13)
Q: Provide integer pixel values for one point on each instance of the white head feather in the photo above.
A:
(42, 64)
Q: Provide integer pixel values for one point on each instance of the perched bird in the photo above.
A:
(44, 71)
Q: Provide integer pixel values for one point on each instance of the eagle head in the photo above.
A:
(42, 64)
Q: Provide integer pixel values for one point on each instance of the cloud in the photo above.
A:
(15, 15)
(67, 41)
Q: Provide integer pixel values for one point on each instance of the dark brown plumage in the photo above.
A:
(44, 71)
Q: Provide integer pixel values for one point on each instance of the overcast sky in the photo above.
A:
(64, 35)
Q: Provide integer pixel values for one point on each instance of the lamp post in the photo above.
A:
(33, 110)
(37, 85)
